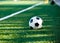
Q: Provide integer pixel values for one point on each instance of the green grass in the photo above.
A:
(16, 29)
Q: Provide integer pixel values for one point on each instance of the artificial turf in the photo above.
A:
(16, 28)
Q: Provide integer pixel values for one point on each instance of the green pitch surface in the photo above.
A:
(16, 28)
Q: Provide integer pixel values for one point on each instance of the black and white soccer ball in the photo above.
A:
(57, 2)
(35, 22)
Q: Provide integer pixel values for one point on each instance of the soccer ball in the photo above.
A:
(35, 22)
(55, 2)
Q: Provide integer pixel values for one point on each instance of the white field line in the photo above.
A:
(13, 14)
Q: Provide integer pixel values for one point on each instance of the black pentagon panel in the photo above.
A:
(31, 20)
(31, 27)
(52, 2)
(36, 24)
(37, 18)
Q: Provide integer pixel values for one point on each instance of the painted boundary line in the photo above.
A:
(21, 11)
